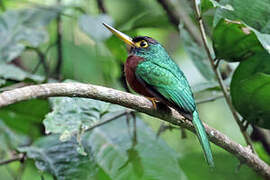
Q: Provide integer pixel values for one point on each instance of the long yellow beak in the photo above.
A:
(120, 35)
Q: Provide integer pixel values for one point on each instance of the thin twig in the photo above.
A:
(19, 157)
(219, 78)
(137, 103)
(42, 60)
(108, 120)
(101, 6)
(201, 101)
(59, 45)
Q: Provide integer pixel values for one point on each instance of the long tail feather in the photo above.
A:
(203, 138)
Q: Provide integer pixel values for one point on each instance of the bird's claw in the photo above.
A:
(153, 100)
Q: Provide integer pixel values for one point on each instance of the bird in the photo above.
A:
(151, 72)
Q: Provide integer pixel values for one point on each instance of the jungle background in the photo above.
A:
(64, 40)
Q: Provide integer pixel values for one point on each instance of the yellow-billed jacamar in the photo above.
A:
(152, 73)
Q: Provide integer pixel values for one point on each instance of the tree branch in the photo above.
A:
(101, 6)
(138, 103)
(42, 60)
(219, 78)
(19, 157)
(59, 45)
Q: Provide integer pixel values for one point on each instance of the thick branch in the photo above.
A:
(135, 102)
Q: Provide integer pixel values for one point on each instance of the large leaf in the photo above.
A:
(253, 13)
(20, 28)
(116, 154)
(264, 39)
(112, 143)
(197, 55)
(11, 72)
(61, 159)
(233, 41)
(26, 117)
(74, 115)
(92, 26)
(10, 140)
(250, 89)
(225, 169)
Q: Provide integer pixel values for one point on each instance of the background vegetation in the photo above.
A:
(64, 40)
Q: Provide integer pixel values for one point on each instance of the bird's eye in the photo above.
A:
(142, 44)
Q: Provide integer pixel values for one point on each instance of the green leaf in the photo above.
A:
(206, 5)
(254, 14)
(115, 152)
(118, 50)
(233, 41)
(11, 72)
(61, 159)
(74, 115)
(20, 28)
(10, 140)
(197, 55)
(250, 89)
(224, 5)
(112, 143)
(93, 27)
(2, 82)
(225, 169)
(264, 39)
(26, 117)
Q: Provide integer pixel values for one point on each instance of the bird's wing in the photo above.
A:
(170, 83)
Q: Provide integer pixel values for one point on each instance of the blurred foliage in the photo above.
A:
(239, 31)
(11, 72)
(197, 54)
(256, 17)
(236, 39)
(23, 27)
(60, 159)
(250, 87)
(228, 34)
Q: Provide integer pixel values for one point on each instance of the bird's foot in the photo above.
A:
(153, 100)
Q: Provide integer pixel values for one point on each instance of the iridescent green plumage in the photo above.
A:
(162, 74)
(151, 72)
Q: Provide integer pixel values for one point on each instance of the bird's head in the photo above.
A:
(142, 46)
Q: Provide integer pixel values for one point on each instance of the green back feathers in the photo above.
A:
(160, 72)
